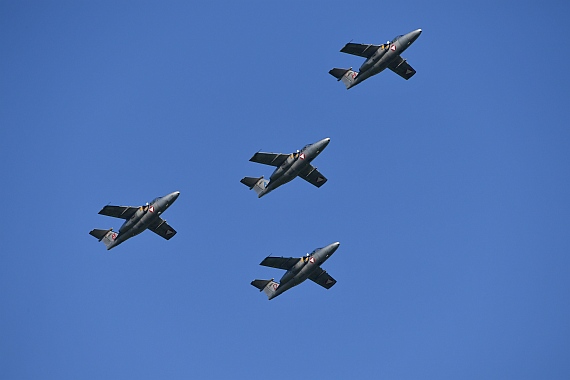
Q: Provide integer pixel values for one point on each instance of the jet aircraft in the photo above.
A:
(378, 58)
(288, 166)
(137, 219)
(298, 270)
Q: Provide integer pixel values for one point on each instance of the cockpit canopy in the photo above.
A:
(306, 146)
(154, 200)
(396, 38)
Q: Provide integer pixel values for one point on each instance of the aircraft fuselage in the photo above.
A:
(294, 164)
(143, 218)
(304, 268)
(385, 55)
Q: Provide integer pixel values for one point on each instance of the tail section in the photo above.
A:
(106, 236)
(257, 184)
(267, 286)
(348, 76)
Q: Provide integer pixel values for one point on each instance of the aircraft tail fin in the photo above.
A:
(106, 236)
(347, 76)
(257, 184)
(267, 286)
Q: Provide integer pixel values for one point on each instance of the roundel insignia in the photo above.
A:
(312, 260)
(151, 209)
(393, 47)
(302, 156)
(114, 236)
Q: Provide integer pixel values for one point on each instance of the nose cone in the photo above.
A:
(412, 36)
(323, 144)
(173, 196)
(332, 248)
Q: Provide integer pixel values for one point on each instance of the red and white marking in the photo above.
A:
(302, 156)
(114, 236)
(151, 209)
(393, 47)
(312, 260)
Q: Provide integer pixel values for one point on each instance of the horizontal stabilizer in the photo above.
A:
(257, 184)
(347, 76)
(267, 286)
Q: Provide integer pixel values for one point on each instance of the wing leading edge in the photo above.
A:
(401, 67)
(285, 263)
(122, 212)
(361, 50)
(313, 176)
(161, 228)
(321, 277)
(272, 159)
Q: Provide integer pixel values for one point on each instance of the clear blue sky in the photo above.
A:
(449, 192)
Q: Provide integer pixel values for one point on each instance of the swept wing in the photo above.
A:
(273, 159)
(401, 67)
(280, 262)
(321, 277)
(123, 212)
(161, 228)
(313, 176)
(362, 50)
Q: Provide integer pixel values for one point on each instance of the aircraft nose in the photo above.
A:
(324, 142)
(415, 34)
(174, 195)
(334, 247)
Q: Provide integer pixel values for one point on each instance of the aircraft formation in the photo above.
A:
(287, 168)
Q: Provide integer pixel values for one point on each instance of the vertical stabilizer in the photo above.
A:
(257, 184)
(106, 236)
(347, 76)
(267, 286)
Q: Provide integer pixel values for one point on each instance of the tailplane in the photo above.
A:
(257, 184)
(267, 286)
(347, 76)
(106, 236)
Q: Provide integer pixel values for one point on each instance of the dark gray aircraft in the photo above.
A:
(298, 270)
(288, 166)
(378, 58)
(137, 219)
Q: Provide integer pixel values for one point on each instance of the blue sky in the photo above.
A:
(448, 192)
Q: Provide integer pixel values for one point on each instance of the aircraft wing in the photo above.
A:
(273, 159)
(401, 67)
(361, 50)
(321, 277)
(123, 212)
(313, 176)
(280, 262)
(160, 227)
